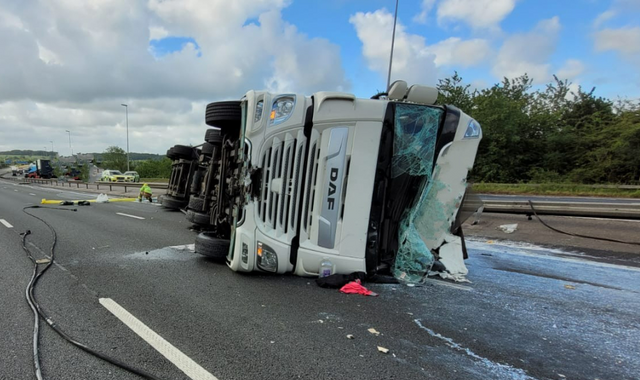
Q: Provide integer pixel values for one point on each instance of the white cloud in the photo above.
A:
(425, 8)
(529, 52)
(571, 69)
(622, 40)
(604, 17)
(413, 60)
(68, 56)
(157, 33)
(455, 51)
(478, 14)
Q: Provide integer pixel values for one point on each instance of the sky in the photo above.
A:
(68, 65)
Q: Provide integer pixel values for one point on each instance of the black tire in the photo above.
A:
(171, 154)
(213, 136)
(183, 151)
(171, 202)
(225, 115)
(207, 149)
(208, 245)
(198, 218)
(196, 203)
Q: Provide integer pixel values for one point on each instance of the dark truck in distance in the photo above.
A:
(41, 169)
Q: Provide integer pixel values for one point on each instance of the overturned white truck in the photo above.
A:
(365, 185)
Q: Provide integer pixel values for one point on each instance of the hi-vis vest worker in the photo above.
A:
(145, 191)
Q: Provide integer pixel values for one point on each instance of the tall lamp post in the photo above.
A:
(393, 40)
(126, 110)
(69, 132)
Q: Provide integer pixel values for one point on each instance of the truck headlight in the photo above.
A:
(473, 130)
(267, 258)
(259, 109)
(282, 108)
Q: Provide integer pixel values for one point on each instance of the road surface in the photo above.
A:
(528, 313)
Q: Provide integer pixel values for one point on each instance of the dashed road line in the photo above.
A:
(174, 355)
(32, 194)
(6, 224)
(130, 216)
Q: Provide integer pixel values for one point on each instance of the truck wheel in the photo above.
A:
(207, 149)
(225, 115)
(195, 203)
(183, 151)
(213, 136)
(208, 245)
(171, 202)
(171, 154)
(198, 218)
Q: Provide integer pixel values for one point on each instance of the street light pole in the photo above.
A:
(393, 40)
(126, 110)
(69, 132)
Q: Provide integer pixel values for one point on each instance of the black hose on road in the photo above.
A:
(578, 235)
(39, 313)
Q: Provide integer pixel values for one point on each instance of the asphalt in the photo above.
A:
(529, 311)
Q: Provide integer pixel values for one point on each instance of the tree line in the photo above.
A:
(550, 134)
(115, 158)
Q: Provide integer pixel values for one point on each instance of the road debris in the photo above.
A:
(350, 336)
(508, 228)
(569, 287)
(383, 350)
(355, 287)
(374, 331)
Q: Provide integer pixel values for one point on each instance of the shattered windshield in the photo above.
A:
(415, 134)
(416, 129)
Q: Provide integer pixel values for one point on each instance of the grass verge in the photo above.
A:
(560, 189)
(156, 180)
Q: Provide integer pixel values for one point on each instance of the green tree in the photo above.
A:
(452, 91)
(154, 168)
(114, 158)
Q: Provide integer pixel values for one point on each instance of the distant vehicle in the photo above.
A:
(136, 176)
(73, 173)
(115, 176)
(14, 171)
(41, 169)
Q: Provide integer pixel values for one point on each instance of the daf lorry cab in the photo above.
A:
(368, 185)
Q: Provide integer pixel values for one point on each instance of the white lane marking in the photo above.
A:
(32, 194)
(6, 224)
(15, 190)
(174, 355)
(130, 216)
(511, 372)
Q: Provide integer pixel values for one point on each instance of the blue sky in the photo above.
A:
(70, 67)
(330, 20)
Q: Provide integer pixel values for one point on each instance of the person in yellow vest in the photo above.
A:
(145, 191)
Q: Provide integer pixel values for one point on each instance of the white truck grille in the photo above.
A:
(281, 161)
